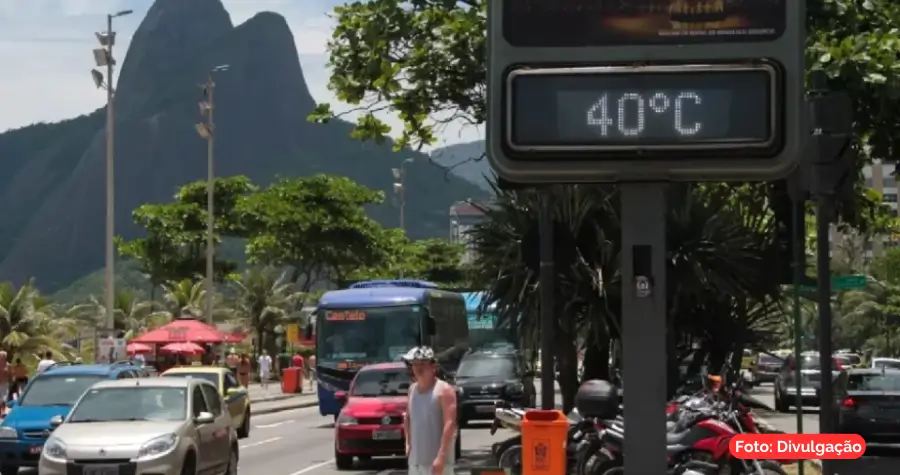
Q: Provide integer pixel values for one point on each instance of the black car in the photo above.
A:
(868, 404)
(485, 378)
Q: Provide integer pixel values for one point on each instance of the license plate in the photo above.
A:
(36, 449)
(101, 470)
(484, 409)
(376, 435)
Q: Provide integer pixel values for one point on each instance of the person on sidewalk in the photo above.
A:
(243, 370)
(430, 422)
(265, 368)
(311, 370)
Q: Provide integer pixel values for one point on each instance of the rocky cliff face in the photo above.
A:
(55, 199)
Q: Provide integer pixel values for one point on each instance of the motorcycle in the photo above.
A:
(702, 432)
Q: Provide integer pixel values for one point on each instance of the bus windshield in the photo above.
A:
(367, 334)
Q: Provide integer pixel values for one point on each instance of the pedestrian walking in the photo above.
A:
(311, 365)
(243, 370)
(430, 422)
(265, 368)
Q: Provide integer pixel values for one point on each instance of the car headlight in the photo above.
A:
(54, 449)
(158, 446)
(345, 420)
(8, 433)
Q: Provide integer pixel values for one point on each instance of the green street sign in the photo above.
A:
(842, 282)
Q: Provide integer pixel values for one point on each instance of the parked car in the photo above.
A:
(765, 368)
(49, 394)
(888, 363)
(370, 423)
(810, 384)
(160, 426)
(485, 378)
(237, 398)
(849, 360)
(868, 403)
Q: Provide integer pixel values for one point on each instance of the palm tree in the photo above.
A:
(131, 314)
(28, 323)
(719, 286)
(264, 299)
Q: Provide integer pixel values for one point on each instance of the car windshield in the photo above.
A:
(484, 367)
(211, 377)
(60, 390)
(813, 362)
(135, 403)
(768, 359)
(873, 382)
(853, 359)
(888, 364)
(374, 383)
(357, 336)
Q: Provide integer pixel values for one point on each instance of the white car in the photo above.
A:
(888, 363)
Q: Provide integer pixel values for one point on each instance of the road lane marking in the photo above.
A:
(313, 467)
(267, 426)
(266, 441)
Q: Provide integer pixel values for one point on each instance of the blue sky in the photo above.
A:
(45, 53)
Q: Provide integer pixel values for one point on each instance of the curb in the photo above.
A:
(285, 407)
(766, 425)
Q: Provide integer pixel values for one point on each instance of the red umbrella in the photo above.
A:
(136, 348)
(183, 348)
(235, 337)
(181, 331)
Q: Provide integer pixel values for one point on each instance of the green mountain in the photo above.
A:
(52, 186)
(467, 161)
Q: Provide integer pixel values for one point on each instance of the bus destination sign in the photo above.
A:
(345, 315)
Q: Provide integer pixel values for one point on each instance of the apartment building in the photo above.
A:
(464, 215)
(880, 177)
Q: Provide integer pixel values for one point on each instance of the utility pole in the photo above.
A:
(103, 56)
(206, 130)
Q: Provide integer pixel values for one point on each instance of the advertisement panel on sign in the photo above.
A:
(110, 350)
(563, 23)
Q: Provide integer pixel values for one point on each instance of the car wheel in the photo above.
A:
(9, 469)
(232, 468)
(457, 450)
(463, 422)
(780, 404)
(342, 461)
(189, 467)
(244, 430)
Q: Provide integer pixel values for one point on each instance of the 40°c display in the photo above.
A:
(628, 115)
(608, 109)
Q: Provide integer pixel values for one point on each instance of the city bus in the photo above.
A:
(483, 330)
(379, 321)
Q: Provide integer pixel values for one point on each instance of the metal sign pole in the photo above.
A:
(643, 217)
(548, 317)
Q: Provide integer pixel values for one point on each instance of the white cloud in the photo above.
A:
(46, 45)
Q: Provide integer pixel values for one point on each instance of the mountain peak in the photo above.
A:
(172, 32)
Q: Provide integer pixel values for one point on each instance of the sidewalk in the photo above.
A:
(273, 392)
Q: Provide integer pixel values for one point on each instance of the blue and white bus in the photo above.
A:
(483, 330)
(379, 321)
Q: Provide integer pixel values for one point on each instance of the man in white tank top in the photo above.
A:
(430, 422)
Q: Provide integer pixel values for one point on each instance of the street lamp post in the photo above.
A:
(400, 190)
(104, 57)
(206, 130)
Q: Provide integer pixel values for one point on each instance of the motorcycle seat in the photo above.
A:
(675, 438)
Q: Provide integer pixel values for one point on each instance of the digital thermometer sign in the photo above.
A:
(653, 108)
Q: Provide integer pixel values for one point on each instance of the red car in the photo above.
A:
(371, 421)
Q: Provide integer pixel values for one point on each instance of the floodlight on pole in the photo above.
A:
(123, 13)
(101, 57)
(97, 76)
(202, 131)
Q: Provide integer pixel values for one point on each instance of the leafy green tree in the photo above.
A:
(436, 260)
(131, 313)
(886, 267)
(175, 245)
(316, 225)
(872, 317)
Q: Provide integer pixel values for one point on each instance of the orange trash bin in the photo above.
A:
(544, 435)
(289, 380)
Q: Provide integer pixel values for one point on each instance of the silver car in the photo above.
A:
(164, 426)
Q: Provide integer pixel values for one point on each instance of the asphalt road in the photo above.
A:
(876, 462)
